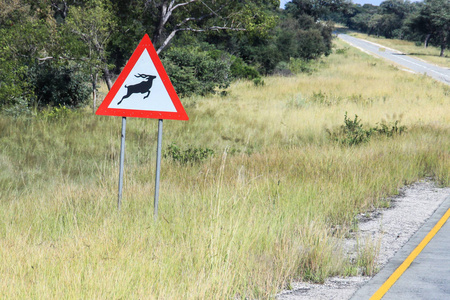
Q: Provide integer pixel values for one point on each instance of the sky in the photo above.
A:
(374, 2)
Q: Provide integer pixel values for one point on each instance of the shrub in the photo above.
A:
(19, 108)
(282, 69)
(55, 113)
(342, 50)
(59, 86)
(258, 81)
(299, 65)
(194, 71)
(352, 132)
(239, 69)
(190, 155)
(14, 88)
(183, 79)
(301, 36)
(390, 130)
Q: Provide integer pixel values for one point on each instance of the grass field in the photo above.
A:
(270, 206)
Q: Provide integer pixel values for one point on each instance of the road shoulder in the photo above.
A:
(411, 211)
(372, 286)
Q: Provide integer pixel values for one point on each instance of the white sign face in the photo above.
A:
(143, 89)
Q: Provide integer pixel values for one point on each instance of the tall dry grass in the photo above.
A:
(272, 205)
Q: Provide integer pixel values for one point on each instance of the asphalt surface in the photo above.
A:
(428, 276)
(411, 63)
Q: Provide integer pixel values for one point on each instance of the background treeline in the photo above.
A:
(426, 22)
(55, 52)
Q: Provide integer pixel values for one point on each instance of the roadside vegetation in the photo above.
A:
(258, 188)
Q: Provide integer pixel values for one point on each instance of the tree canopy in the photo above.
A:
(427, 21)
(203, 44)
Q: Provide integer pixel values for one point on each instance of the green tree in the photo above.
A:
(399, 8)
(304, 38)
(27, 36)
(394, 13)
(172, 17)
(360, 22)
(36, 68)
(420, 23)
(385, 20)
(309, 36)
(177, 24)
(164, 20)
(318, 9)
(433, 19)
(88, 29)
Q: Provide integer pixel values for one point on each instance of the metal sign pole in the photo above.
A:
(122, 156)
(158, 167)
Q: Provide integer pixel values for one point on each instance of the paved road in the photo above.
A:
(428, 276)
(413, 64)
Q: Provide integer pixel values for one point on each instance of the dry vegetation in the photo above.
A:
(270, 205)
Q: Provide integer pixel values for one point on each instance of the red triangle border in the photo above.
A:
(180, 113)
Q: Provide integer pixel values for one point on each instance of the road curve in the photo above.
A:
(413, 64)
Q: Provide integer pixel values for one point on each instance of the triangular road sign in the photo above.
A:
(143, 89)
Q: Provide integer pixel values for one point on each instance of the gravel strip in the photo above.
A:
(391, 228)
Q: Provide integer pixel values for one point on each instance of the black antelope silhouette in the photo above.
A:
(141, 88)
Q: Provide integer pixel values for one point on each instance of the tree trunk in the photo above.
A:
(94, 91)
(165, 14)
(107, 77)
(443, 43)
(427, 39)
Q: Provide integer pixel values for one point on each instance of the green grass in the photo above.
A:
(243, 223)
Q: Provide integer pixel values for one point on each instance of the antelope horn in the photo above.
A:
(141, 75)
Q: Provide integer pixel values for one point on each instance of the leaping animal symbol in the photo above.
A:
(141, 88)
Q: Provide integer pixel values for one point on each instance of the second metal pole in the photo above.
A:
(122, 156)
(158, 167)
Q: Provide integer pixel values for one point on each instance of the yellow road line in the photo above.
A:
(400, 270)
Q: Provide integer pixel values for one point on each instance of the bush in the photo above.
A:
(282, 69)
(190, 155)
(258, 81)
(194, 71)
(390, 130)
(14, 88)
(239, 69)
(311, 44)
(19, 108)
(59, 86)
(55, 113)
(352, 132)
(303, 38)
(183, 79)
(298, 65)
